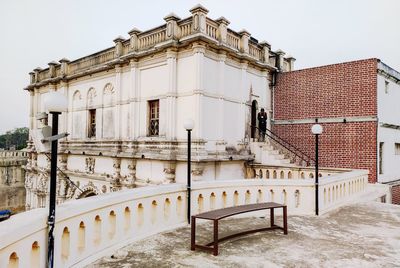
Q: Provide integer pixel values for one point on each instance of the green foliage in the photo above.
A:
(14, 138)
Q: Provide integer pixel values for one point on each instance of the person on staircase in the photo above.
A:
(262, 124)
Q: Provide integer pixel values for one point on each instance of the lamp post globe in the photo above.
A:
(316, 129)
(188, 124)
(55, 102)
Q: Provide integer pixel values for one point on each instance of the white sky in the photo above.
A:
(315, 32)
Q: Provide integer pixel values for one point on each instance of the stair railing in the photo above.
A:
(290, 148)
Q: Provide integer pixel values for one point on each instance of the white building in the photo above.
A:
(127, 105)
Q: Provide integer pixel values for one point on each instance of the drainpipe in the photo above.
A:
(273, 83)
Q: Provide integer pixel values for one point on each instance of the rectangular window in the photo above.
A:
(154, 117)
(381, 158)
(397, 148)
(92, 123)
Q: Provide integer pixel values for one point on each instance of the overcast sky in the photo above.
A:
(319, 32)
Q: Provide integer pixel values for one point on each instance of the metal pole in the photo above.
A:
(316, 175)
(188, 176)
(53, 182)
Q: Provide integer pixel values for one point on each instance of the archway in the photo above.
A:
(86, 193)
(254, 106)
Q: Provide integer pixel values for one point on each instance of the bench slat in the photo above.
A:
(230, 211)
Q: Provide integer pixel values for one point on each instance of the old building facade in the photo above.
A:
(127, 105)
(357, 104)
(12, 180)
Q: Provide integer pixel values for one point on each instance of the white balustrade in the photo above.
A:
(211, 29)
(86, 228)
(341, 188)
(233, 40)
(151, 38)
(186, 28)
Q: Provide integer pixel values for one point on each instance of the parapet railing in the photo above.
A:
(13, 154)
(87, 228)
(175, 29)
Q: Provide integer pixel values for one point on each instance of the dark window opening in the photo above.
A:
(154, 117)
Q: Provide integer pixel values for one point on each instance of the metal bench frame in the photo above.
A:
(216, 215)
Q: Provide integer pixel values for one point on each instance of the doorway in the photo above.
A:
(254, 107)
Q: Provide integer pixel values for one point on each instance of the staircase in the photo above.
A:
(277, 151)
(266, 154)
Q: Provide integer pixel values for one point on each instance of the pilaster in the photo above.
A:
(118, 77)
(244, 87)
(134, 96)
(171, 95)
(221, 93)
(199, 50)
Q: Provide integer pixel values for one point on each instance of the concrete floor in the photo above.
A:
(363, 235)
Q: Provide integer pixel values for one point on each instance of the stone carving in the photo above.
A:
(71, 189)
(90, 164)
(104, 189)
(77, 96)
(116, 178)
(108, 89)
(197, 170)
(42, 183)
(91, 96)
(130, 179)
(63, 161)
(169, 171)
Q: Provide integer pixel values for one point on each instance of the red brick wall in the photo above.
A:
(339, 90)
(396, 194)
(350, 145)
(345, 89)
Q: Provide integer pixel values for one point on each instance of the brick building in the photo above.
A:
(356, 103)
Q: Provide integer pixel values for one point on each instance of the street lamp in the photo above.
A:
(188, 125)
(55, 103)
(316, 130)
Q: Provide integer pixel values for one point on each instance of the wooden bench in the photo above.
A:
(216, 215)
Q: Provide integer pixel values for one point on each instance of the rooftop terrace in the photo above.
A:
(360, 235)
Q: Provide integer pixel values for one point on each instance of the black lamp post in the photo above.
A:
(188, 125)
(55, 103)
(316, 130)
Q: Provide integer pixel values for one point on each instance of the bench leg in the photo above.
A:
(193, 234)
(272, 217)
(285, 220)
(215, 251)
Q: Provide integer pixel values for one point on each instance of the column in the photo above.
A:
(221, 93)
(134, 100)
(243, 86)
(117, 109)
(199, 51)
(31, 109)
(171, 95)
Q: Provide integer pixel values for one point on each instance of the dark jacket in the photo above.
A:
(262, 120)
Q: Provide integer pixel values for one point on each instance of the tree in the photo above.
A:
(14, 138)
